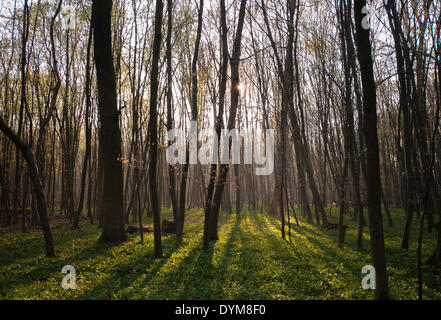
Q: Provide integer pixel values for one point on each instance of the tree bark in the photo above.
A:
(373, 161)
(235, 93)
(110, 134)
(153, 129)
(36, 183)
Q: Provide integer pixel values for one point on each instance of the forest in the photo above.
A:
(220, 150)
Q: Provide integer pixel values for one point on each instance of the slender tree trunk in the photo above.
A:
(373, 162)
(395, 24)
(36, 183)
(170, 116)
(153, 129)
(86, 162)
(235, 93)
(194, 118)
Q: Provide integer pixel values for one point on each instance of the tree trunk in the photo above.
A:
(373, 162)
(36, 183)
(212, 230)
(110, 134)
(153, 130)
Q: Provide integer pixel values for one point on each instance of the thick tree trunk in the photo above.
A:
(110, 134)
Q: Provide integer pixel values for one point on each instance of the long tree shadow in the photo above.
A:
(222, 268)
(407, 258)
(331, 253)
(33, 244)
(129, 282)
(45, 268)
(181, 273)
(125, 274)
(212, 277)
(198, 276)
(22, 267)
(401, 263)
(250, 261)
(300, 263)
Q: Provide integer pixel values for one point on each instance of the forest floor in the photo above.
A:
(250, 261)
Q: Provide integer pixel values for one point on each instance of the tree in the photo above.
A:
(87, 161)
(234, 93)
(153, 129)
(26, 151)
(208, 211)
(110, 134)
(194, 118)
(404, 106)
(171, 170)
(364, 53)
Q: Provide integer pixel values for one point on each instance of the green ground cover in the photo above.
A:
(250, 261)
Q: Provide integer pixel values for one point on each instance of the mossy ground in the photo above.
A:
(250, 261)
